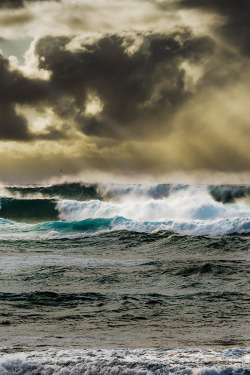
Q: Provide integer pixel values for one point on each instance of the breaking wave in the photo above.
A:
(127, 362)
(75, 191)
(187, 210)
(82, 192)
(190, 211)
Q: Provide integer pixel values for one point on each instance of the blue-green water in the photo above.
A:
(134, 268)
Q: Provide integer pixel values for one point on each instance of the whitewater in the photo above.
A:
(124, 279)
(184, 210)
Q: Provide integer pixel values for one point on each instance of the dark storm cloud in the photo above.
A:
(12, 125)
(17, 89)
(138, 91)
(11, 4)
(19, 3)
(236, 24)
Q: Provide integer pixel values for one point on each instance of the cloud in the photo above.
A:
(235, 27)
(164, 93)
(19, 90)
(138, 87)
(11, 4)
(15, 4)
(12, 125)
(138, 92)
(83, 17)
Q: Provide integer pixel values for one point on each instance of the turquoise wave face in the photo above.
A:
(186, 210)
(49, 230)
(10, 230)
(88, 225)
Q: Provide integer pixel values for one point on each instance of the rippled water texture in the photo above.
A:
(124, 267)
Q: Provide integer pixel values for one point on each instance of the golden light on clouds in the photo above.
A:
(93, 105)
(136, 88)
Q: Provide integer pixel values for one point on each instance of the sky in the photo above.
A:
(125, 90)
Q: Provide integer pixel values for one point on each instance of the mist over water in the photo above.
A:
(82, 210)
(135, 268)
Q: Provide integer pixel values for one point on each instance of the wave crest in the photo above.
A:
(186, 210)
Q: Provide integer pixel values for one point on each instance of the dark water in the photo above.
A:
(126, 289)
(106, 281)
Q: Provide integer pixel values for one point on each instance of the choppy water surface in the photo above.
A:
(135, 267)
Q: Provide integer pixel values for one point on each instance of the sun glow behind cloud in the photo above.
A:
(93, 105)
(139, 88)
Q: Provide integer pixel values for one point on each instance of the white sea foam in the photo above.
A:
(190, 204)
(190, 211)
(127, 362)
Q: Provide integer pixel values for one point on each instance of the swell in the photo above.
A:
(76, 191)
(29, 210)
(88, 225)
(33, 299)
(186, 210)
(97, 226)
(81, 192)
(229, 194)
(47, 298)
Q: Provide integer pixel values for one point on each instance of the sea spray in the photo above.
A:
(185, 210)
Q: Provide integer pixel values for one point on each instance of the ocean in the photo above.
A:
(124, 279)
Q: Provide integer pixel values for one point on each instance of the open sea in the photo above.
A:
(124, 279)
